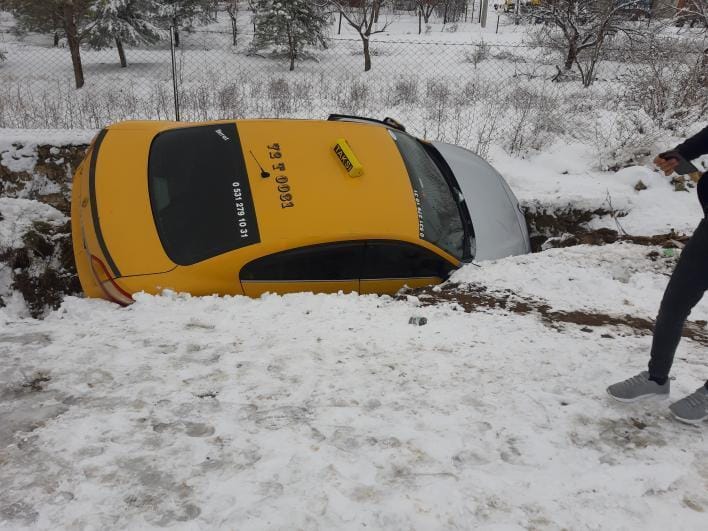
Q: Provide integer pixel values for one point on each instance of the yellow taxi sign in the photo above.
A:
(347, 157)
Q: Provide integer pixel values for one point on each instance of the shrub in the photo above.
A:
(406, 91)
(480, 52)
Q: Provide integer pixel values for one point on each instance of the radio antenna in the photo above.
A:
(264, 173)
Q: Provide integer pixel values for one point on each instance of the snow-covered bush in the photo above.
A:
(358, 95)
(280, 94)
(479, 53)
(406, 91)
(665, 86)
(629, 139)
(532, 119)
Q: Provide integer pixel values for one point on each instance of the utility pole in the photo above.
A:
(483, 16)
(517, 12)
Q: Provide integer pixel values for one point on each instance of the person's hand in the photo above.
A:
(666, 163)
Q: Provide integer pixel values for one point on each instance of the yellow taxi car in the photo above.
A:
(255, 206)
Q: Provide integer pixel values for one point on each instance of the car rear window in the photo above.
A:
(439, 220)
(200, 194)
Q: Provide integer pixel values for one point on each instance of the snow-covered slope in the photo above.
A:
(323, 412)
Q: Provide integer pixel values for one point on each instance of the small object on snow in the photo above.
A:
(670, 252)
(679, 184)
(640, 186)
(419, 321)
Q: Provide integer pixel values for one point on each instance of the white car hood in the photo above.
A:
(499, 225)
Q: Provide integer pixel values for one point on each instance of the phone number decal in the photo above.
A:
(241, 213)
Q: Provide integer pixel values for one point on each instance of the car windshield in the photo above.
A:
(199, 192)
(439, 220)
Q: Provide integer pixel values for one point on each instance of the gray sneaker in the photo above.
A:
(638, 387)
(693, 408)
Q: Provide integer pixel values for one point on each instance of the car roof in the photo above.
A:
(328, 203)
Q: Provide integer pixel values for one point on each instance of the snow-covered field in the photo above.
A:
(472, 86)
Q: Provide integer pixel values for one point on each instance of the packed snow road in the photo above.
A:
(322, 412)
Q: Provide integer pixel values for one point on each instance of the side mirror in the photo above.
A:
(394, 123)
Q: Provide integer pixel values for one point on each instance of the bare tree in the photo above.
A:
(232, 8)
(584, 28)
(426, 8)
(693, 12)
(362, 15)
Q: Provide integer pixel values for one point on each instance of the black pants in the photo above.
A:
(686, 287)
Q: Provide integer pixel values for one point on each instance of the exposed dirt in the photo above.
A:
(669, 240)
(476, 297)
(43, 271)
(545, 223)
(53, 168)
(568, 226)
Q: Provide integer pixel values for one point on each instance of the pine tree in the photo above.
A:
(124, 22)
(181, 14)
(39, 17)
(291, 23)
(71, 17)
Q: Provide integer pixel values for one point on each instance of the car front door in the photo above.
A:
(390, 265)
(325, 268)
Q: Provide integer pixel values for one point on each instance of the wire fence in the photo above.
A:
(471, 94)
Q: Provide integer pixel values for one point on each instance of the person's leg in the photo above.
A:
(686, 287)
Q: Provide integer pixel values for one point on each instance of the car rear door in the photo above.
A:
(323, 268)
(390, 265)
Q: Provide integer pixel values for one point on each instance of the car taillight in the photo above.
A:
(112, 290)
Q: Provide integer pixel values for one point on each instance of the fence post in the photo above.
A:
(174, 72)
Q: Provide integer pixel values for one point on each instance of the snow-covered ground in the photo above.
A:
(332, 412)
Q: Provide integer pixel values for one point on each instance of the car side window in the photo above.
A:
(336, 261)
(388, 259)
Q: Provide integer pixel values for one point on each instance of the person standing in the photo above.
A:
(686, 287)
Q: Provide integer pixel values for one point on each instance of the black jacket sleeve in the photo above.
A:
(695, 146)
